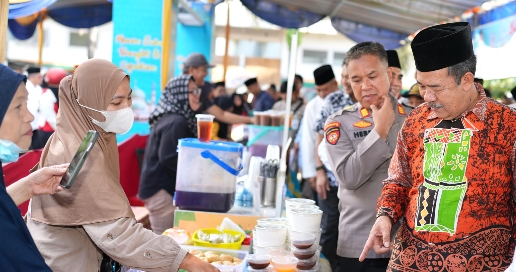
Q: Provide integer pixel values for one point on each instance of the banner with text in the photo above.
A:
(137, 48)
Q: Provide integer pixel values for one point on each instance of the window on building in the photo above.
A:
(79, 38)
(338, 58)
(314, 57)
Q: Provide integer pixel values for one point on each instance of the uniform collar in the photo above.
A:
(479, 110)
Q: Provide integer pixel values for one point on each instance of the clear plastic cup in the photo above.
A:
(204, 126)
(284, 263)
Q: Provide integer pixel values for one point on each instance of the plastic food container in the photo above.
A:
(241, 254)
(267, 269)
(284, 263)
(258, 261)
(272, 221)
(309, 263)
(270, 235)
(305, 220)
(303, 254)
(207, 174)
(316, 233)
(299, 201)
(259, 250)
(237, 245)
(316, 268)
(288, 209)
(302, 240)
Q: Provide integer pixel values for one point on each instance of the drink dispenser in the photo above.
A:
(207, 174)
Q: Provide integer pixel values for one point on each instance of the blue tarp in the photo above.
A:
(28, 8)
(361, 33)
(280, 15)
(83, 16)
(297, 18)
(498, 13)
(22, 32)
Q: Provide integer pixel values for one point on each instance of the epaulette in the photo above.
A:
(350, 108)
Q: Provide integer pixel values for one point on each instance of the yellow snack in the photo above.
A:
(237, 260)
(227, 263)
(211, 252)
(217, 262)
(224, 257)
(204, 259)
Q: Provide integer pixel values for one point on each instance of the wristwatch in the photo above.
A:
(320, 168)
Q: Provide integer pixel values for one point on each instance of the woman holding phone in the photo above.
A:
(17, 249)
(73, 228)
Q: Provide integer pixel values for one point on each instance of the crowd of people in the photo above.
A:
(424, 179)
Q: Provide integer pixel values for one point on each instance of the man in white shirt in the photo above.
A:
(34, 81)
(308, 137)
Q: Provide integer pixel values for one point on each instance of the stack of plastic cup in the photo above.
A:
(304, 248)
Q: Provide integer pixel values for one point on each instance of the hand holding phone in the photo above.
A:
(78, 160)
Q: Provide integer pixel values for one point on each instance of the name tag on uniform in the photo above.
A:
(360, 133)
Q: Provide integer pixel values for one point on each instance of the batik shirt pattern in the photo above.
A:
(453, 185)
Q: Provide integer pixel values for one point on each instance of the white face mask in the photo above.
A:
(119, 121)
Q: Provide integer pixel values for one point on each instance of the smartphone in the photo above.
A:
(78, 160)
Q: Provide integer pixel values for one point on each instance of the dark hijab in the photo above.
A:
(17, 249)
(242, 109)
(174, 99)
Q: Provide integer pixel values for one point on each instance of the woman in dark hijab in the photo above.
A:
(17, 249)
(173, 119)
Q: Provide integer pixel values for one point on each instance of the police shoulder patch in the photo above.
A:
(333, 135)
(331, 125)
(332, 131)
(401, 110)
(362, 124)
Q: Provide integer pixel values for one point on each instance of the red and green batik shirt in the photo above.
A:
(454, 188)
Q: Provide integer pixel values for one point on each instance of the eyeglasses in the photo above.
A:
(197, 91)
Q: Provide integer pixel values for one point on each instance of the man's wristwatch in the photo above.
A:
(320, 168)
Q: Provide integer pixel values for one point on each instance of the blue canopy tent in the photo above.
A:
(387, 22)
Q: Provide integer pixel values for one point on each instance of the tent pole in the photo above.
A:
(41, 37)
(165, 48)
(226, 57)
(4, 13)
(280, 184)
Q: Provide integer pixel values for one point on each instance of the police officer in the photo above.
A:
(360, 140)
